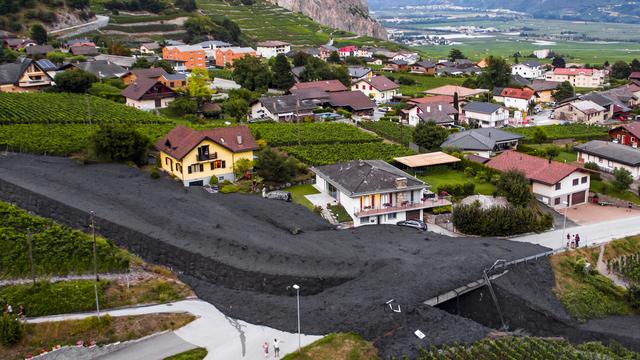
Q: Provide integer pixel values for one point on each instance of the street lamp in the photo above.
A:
(297, 288)
(95, 262)
(564, 226)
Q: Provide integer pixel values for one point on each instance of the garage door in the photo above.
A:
(578, 198)
(196, 183)
(413, 215)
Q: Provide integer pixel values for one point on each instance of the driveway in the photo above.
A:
(592, 214)
(223, 337)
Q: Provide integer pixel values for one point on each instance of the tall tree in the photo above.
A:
(456, 54)
(558, 62)
(429, 135)
(141, 63)
(515, 187)
(334, 58)
(620, 70)
(282, 78)
(300, 58)
(623, 179)
(198, 84)
(116, 142)
(456, 105)
(251, 73)
(166, 65)
(635, 65)
(76, 81)
(39, 34)
(496, 74)
(564, 91)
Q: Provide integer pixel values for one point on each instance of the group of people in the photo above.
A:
(276, 348)
(22, 311)
(573, 241)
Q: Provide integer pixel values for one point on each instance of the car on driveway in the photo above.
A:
(416, 224)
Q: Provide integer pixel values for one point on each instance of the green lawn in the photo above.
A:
(423, 82)
(340, 213)
(195, 354)
(299, 191)
(448, 176)
(604, 187)
(565, 155)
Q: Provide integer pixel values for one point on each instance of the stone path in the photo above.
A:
(603, 269)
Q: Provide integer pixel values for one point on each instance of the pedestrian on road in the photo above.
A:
(577, 240)
(276, 348)
(265, 348)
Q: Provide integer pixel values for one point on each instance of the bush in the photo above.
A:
(275, 167)
(213, 181)
(633, 295)
(458, 190)
(11, 330)
(155, 174)
(120, 143)
(592, 166)
(469, 172)
(75, 81)
(228, 189)
(499, 220)
(442, 210)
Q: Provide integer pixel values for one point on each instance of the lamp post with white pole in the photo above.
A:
(564, 226)
(297, 288)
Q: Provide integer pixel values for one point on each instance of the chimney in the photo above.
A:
(239, 139)
(401, 183)
(440, 107)
(428, 109)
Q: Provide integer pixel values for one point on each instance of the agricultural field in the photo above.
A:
(393, 131)
(571, 131)
(422, 82)
(528, 348)
(59, 108)
(62, 140)
(143, 28)
(56, 249)
(280, 134)
(334, 153)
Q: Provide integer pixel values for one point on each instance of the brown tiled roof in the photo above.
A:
(148, 73)
(525, 93)
(432, 99)
(534, 168)
(633, 128)
(356, 100)
(181, 140)
(141, 86)
(325, 85)
(84, 50)
(382, 83)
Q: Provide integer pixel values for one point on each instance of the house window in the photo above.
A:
(609, 163)
(556, 201)
(171, 84)
(392, 216)
(558, 186)
(576, 182)
(585, 179)
(364, 220)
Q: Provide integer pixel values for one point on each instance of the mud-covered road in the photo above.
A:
(242, 252)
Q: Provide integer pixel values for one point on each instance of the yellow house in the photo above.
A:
(196, 156)
(23, 76)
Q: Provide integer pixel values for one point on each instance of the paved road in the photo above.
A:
(589, 234)
(224, 338)
(100, 22)
(156, 347)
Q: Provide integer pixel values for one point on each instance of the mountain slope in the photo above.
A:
(348, 15)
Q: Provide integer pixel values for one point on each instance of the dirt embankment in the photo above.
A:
(239, 252)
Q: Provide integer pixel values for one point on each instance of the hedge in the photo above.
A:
(508, 220)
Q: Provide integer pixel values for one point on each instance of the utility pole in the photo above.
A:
(95, 262)
(30, 243)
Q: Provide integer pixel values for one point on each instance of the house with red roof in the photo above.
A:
(584, 78)
(348, 51)
(553, 183)
(322, 85)
(626, 134)
(148, 94)
(517, 98)
(195, 157)
(379, 88)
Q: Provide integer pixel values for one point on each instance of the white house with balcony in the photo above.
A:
(528, 70)
(610, 156)
(486, 115)
(269, 49)
(374, 192)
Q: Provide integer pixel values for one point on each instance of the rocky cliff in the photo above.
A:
(349, 15)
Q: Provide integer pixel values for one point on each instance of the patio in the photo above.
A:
(593, 214)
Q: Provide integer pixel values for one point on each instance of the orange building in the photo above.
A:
(193, 56)
(229, 55)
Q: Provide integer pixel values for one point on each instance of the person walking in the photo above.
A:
(276, 348)
(577, 241)
(265, 349)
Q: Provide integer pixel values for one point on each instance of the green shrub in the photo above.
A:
(458, 190)
(11, 330)
(228, 189)
(633, 295)
(509, 220)
(213, 181)
(469, 172)
(442, 210)
(155, 174)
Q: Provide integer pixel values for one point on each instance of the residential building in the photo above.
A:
(347, 51)
(193, 56)
(423, 67)
(626, 134)
(210, 47)
(374, 192)
(149, 48)
(542, 53)
(150, 73)
(355, 102)
(124, 61)
(324, 85)
(484, 142)
(148, 94)
(24, 75)
(227, 56)
(555, 184)
(485, 115)
(610, 156)
(287, 108)
(101, 68)
(528, 69)
(517, 98)
(431, 99)
(18, 43)
(269, 49)
(38, 50)
(408, 56)
(84, 50)
(580, 111)
(543, 90)
(195, 157)
(396, 66)
(174, 81)
(451, 90)
(442, 113)
(326, 51)
(379, 88)
(360, 73)
(583, 78)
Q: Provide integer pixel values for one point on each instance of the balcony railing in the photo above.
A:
(207, 157)
(424, 204)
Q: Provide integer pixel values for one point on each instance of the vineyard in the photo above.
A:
(571, 131)
(330, 154)
(279, 134)
(56, 249)
(57, 139)
(58, 108)
(528, 348)
(628, 266)
(390, 130)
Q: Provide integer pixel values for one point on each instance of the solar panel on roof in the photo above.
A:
(46, 64)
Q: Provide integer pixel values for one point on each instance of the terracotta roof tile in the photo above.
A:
(525, 93)
(181, 140)
(534, 168)
(324, 85)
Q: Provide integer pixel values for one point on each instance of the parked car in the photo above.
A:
(416, 224)
(279, 195)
